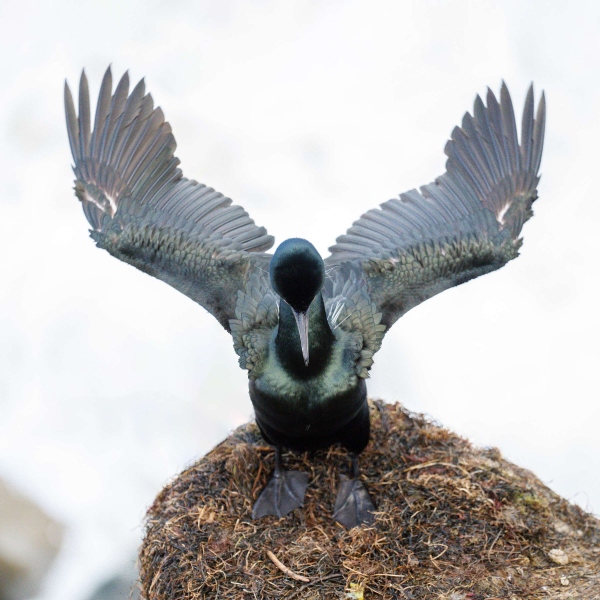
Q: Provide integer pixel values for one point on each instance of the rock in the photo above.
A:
(453, 521)
(558, 556)
(29, 541)
(563, 528)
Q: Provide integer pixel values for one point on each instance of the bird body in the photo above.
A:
(304, 328)
(308, 409)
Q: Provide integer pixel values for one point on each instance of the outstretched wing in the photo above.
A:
(143, 211)
(464, 224)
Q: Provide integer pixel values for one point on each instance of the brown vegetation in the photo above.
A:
(454, 522)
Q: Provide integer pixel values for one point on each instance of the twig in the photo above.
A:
(435, 463)
(441, 553)
(492, 546)
(373, 574)
(313, 582)
(285, 569)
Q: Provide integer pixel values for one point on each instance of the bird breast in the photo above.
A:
(278, 386)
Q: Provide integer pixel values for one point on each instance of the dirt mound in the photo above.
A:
(454, 522)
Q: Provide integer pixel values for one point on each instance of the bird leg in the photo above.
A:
(283, 493)
(353, 505)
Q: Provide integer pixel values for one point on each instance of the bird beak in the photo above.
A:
(302, 322)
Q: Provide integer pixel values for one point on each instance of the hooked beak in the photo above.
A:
(302, 322)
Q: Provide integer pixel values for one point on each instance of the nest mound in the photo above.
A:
(454, 522)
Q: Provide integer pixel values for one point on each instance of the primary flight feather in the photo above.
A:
(306, 340)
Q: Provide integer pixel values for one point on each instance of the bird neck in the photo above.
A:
(320, 340)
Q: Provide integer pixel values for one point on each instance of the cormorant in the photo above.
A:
(307, 340)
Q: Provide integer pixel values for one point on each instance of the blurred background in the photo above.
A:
(308, 114)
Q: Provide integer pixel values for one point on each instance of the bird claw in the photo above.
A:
(282, 494)
(353, 505)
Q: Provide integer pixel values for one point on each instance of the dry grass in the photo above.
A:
(454, 522)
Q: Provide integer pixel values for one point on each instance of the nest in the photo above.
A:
(454, 522)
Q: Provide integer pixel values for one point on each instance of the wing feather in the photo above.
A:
(143, 211)
(84, 116)
(464, 224)
(72, 124)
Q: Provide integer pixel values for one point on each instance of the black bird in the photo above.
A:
(306, 339)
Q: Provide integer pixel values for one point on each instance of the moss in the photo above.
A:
(530, 500)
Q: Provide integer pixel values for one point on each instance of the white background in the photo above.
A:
(307, 113)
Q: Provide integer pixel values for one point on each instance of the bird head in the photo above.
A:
(297, 275)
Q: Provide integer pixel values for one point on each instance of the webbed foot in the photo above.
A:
(284, 492)
(353, 505)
